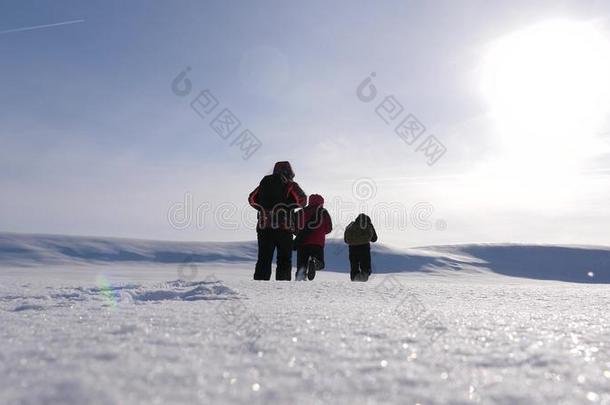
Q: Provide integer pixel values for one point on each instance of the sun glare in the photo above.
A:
(548, 87)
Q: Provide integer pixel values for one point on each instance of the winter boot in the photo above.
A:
(300, 276)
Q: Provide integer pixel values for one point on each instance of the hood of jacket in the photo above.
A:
(284, 168)
(363, 220)
(316, 200)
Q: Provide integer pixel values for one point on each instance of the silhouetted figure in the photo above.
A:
(359, 235)
(313, 223)
(275, 199)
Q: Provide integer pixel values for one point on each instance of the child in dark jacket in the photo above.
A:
(359, 235)
(313, 223)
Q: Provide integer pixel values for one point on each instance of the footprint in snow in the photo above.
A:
(186, 291)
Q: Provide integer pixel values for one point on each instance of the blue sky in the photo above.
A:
(94, 141)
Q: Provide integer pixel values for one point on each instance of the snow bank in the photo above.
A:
(100, 321)
(582, 264)
(398, 339)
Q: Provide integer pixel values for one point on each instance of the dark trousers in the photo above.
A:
(304, 252)
(360, 260)
(268, 241)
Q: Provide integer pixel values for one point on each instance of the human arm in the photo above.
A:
(253, 198)
(345, 239)
(296, 194)
(374, 236)
(328, 221)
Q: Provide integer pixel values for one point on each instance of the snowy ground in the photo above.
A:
(114, 331)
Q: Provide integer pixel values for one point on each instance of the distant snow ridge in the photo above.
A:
(582, 264)
(33, 250)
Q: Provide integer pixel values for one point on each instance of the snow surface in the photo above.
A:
(112, 321)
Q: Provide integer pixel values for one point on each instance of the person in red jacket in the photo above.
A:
(276, 199)
(313, 223)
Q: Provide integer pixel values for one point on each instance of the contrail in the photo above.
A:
(37, 27)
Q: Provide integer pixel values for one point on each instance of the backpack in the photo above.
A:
(271, 191)
(355, 234)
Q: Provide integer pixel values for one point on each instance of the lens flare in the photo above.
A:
(110, 294)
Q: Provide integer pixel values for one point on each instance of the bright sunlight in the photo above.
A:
(548, 87)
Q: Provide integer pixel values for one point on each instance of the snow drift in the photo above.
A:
(582, 264)
(108, 321)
